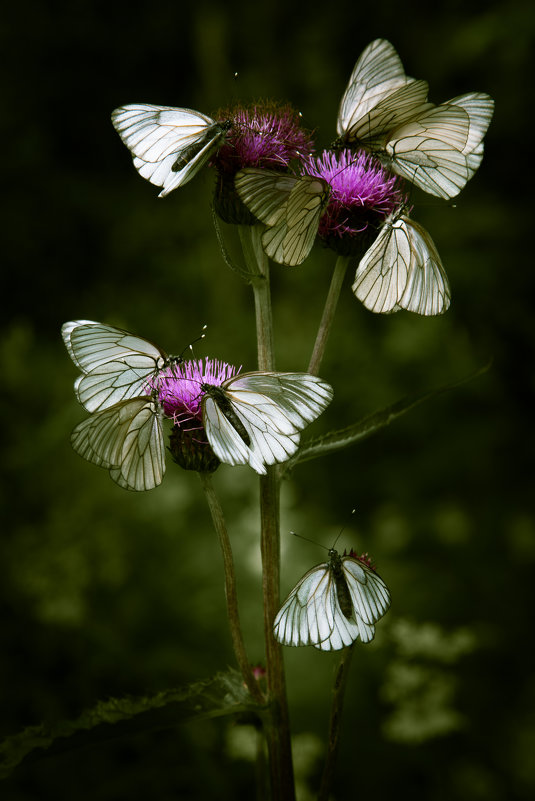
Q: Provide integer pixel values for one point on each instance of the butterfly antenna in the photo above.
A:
(343, 528)
(308, 540)
(192, 343)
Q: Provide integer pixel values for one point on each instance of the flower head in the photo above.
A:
(265, 135)
(363, 194)
(180, 391)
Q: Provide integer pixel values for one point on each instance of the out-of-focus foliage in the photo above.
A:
(106, 592)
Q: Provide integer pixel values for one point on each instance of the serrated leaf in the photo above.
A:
(366, 426)
(225, 694)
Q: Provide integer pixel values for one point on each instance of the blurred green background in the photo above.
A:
(106, 592)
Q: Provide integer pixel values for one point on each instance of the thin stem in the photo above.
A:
(258, 265)
(277, 724)
(329, 310)
(230, 587)
(340, 684)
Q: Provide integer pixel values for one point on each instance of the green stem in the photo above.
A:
(230, 587)
(329, 310)
(277, 725)
(340, 684)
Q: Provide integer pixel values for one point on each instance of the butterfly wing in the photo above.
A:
(369, 593)
(382, 272)
(127, 440)
(115, 364)
(371, 103)
(272, 407)
(427, 290)
(289, 205)
(169, 145)
(428, 150)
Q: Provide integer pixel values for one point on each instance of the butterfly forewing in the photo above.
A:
(115, 364)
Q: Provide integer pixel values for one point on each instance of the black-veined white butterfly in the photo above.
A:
(255, 418)
(402, 270)
(116, 365)
(438, 148)
(127, 440)
(169, 145)
(333, 605)
(289, 205)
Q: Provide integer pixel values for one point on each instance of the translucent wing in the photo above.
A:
(402, 270)
(427, 290)
(382, 272)
(169, 145)
(375, 99)
(115, 364)
(272, 408)
(289, 205)
(311, 615)
(479, 108)
(376, 74)
(429, 150)
(397, 107)
(127, 440)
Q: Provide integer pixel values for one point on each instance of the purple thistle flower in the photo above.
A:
(363, 194)
(179, 391)
(263, 135)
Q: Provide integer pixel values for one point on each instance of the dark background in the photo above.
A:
(105, 592)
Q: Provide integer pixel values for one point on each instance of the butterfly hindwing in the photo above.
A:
(127, 440)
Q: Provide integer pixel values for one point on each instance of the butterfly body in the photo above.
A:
(224, 404)
(342, 590)
(332, 605)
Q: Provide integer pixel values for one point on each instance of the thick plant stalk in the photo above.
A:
(329, 310)
(277, 725)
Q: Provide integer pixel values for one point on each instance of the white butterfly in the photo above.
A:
(289, 205)
(127, 440)
(169, 145)
(255, 418)
(333, 605)
(402, 270)
(115, 364)
(438, 148)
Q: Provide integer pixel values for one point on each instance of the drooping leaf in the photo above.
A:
(366, 426)
(225, 694)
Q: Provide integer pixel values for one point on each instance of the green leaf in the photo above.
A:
(225, 694)
(366, 426)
